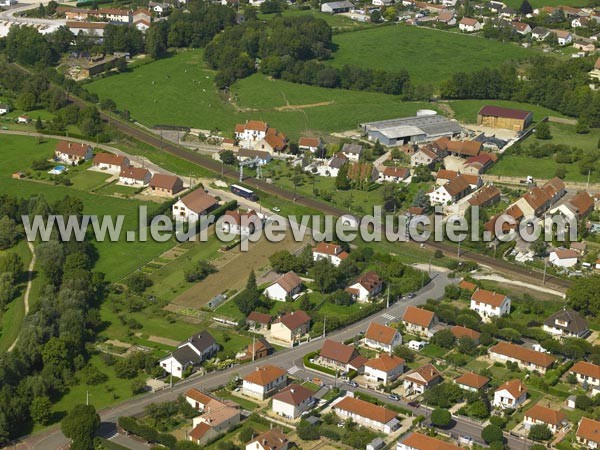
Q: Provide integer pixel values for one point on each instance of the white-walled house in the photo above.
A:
(541, 415)
(382, 337)
(251, 131)
(365, 287)
(332, 252)
(110, 162)
(588, 433)
(418, 380)
(292, 401)
(469, 25)
(352, 151)
(490, 304)
(291, 327)
(191, 352)
(526, 359)
(284, 288)
(419, 321)
(134, 176)
(367, 414)
(586, 373)
(4, 109)
(510, 394)
(566, 323)
(264, 381)
(272, 439)
(384, 368)
(190, 207)
(471, 382)
(73, 152)
(244, 224)
(563, 258)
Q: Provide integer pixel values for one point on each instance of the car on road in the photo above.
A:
(393, 397)
(276, 209)
(411, 295)
(414, 404)
(353, 384)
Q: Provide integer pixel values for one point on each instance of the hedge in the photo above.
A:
(376, 401)
(131, 425)
(316, 367)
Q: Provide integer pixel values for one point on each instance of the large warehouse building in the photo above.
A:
(499, 117)
(427, 125)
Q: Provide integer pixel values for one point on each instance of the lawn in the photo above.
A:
(116, 259)
(12, 317)
(517, 165)
(466, 110)
(429, 56)
(88, 180)
(185, 95)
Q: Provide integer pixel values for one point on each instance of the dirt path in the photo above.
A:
(447, 109)
(296, 107)
(28, 289)
(160, 340)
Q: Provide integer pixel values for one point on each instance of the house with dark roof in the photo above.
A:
(292, 401)
(367, 286)
(486, 196)
(352, 151)
(576, 208)
(190, 207)
(273, 439)
(566, 323)
(418, 380)
(192, 352)
(284, 288)
(382, 337)
(290, 327)
(257, 349)
(338, 356)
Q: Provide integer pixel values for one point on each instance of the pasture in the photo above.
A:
(465, 111)
(429, 56)
(175, 99)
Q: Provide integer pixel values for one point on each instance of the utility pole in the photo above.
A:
(324, 324)
(588, 180)
(388, 297)
(545, 267)
(458, 252)
(253, 347)
(171, 377)
(87, 397)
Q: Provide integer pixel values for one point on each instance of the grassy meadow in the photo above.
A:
(294, 108)
(466, 110)
(429, 56)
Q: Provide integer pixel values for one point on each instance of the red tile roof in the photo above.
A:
(589, 429)
(523, 354)
(294, 394)
(327, 249)
(109, 158)
(418, 316)
(385, 362)
(259, 317)
(265, 375)
(422, 442)
(428, 372)
(400, 172)
(545, 415)
(170, 182)
(271, 440)
(365, 409)
(472, 380)
(381, 333)
(337, 351)
(198, 201)
(309, 142)
(467, 286)
(136, 173)
(294, 320)
(488, 297)
(288, 281)
(459, 331)
(515, 387)
(587, 369)
(72, 148)
(508, 113)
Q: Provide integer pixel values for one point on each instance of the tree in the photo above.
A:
(199, 271)
(227, 157)
(542, 131)
(444, 338)
(41, 410)
(307, 432)
(155, 42)
(26, 101)
(108, 104)
(492, 433)
(583, 402)
(326, 276)
(11, 264)
(421, 200)
(376, 16)
(405, 353)
(560, 172)
(9, 234)
(525, 8)
(138, 282)
(466, 345)
(246, 434)
(80, 425)
(441, 418)
(342, 182)
(583, 296)
(540, 432)
(378, 149)
(583, 126)
(283, 261)
(479, 409)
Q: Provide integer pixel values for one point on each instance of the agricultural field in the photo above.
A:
(520, 165)
(465, 111)
(429, 56)
(115, 259)
(185, 95)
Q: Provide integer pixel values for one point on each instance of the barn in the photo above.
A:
(507, 118)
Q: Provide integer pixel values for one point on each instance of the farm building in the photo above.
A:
(498, 117)
(337, 7)
(425, 126)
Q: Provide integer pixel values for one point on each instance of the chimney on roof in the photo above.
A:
(292, 390)
(520, 387)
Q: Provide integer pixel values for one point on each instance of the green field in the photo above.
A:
(294, 108)
(540, 3)
(336, 21)
(115, 259)
(429, 56)
(466, 110)
(518, 165)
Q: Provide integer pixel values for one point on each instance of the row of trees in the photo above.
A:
(53, 337)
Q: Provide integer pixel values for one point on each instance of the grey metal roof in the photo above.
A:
(185, 355)
(430, 125)
(339, 5)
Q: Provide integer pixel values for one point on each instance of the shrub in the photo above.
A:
(540, 433)
(492, 433)
(441, 417)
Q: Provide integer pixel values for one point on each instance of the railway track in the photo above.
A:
(519, 272)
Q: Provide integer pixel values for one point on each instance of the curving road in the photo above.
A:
(53, 438)
(10, 17)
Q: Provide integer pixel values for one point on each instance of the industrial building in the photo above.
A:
(427, 125)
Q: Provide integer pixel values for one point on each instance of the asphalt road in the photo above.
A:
(286, 359)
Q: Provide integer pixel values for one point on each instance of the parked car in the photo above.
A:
(414, 404)
(393, 397)
(353, 384)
